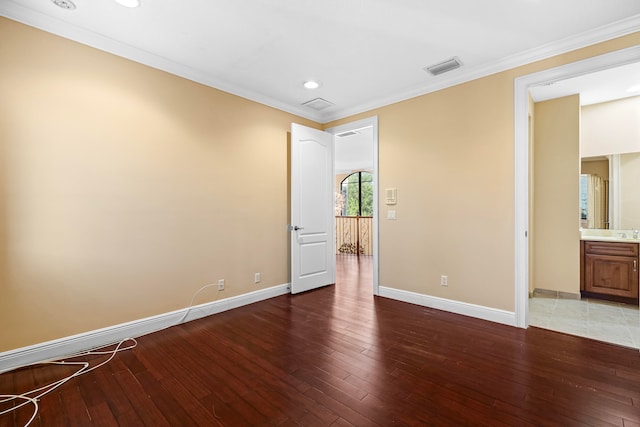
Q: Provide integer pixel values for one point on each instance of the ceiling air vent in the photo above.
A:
(318, 104)
(443, 67)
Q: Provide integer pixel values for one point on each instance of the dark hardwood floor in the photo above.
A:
(339, 356)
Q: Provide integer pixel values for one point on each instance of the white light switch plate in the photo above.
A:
(391, 214)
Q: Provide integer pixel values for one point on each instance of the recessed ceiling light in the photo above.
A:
(129, 3)
(311, 84)
(635, 88)
(65, 4)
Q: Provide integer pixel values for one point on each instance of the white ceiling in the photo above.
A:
(354, 152)
(601, 86)
(365, 53)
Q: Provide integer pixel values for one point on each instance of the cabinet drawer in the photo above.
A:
(611, 248)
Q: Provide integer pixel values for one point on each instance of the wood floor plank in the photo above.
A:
(343, 410)
(142, 403)
(75, 411)
(49, 406)
(338, 356)
(114, 394)
(101, 415)
(167, 404)
(200, 414)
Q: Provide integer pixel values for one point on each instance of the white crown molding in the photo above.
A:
(84, 36)
(462, 75)
(457, 307)
(46, 23)
(57, 349)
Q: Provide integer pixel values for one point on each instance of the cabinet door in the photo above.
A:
(611, 275)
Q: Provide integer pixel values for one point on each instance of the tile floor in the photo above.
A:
(598, 319)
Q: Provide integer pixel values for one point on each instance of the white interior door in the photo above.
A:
(312, 209)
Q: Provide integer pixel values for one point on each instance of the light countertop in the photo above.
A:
(622, 236)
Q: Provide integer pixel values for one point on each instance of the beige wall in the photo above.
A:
(611, 127)
(450, 155)
(339, 178)
(595, 167)
(124, 189)
(452, 152)
(629, 191)
(556, 260)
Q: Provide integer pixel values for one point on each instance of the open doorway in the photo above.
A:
(356, 202)
(565, 310)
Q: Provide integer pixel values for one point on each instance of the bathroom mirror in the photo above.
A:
(610, 164)
(609, 195)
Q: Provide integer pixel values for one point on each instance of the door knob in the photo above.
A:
(296, 228)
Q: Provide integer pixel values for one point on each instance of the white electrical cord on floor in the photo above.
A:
(188, 310)
(47, 388)
(84, 368)
(27, 399)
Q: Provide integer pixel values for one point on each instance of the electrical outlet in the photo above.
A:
(444, 280)
(256, 278)
(221, 285)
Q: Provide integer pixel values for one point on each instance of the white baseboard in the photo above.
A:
(57, 349)
(466, 309)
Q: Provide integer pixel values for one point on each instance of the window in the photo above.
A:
(357, 190)
(583, 197)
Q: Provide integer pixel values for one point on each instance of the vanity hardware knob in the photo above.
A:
(635, 265)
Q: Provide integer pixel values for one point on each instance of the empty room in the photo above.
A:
(327, 213)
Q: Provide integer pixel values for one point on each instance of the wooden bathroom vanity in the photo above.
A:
(609, 270)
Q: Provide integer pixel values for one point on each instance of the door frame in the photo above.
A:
(352, 126)
(521, 157)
